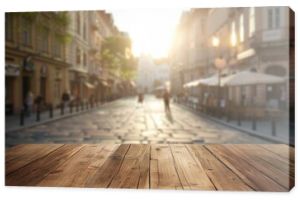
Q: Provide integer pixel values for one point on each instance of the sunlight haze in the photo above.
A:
(151, 30)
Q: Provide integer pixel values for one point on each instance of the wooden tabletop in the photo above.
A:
(260, 167)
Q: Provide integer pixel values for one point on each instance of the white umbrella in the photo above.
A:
(250, 78)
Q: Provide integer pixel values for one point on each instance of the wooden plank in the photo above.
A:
(154, 173)
(75, 171)
(134, 172)
(34, 172)
(191, 173)
(272, 158)
(163, 162)
(286, 152)
(282, 150)
(249, 174)
(20, 155)
(260, 164)
(222, 177)
(105, 174)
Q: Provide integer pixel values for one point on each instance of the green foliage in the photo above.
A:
(117, 57)
(56, 22)
(62, 19)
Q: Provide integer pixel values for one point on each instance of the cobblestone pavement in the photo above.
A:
(126, 121)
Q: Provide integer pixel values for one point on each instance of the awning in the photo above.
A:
(210, 81)
(192, 84)
(80, 70)
(132, 84)
(159, 88)
(251, 78)
(240, 78)
(89, 85)
(104, 83)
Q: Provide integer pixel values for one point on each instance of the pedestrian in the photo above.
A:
(65, 99)
(140, 98)
(38, 102)
(29, 103)
(166, 97)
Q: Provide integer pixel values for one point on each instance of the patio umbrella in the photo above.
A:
(250, 78)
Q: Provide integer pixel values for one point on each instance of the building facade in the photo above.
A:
(189, 50)
(256, 39)
(35, 58)
(78, 54)
(250, 38)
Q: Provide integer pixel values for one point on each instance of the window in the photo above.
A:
(251, 21)
(43, 40)
(84, 31)
(233, 39)
(78, 22)
(277, 17)
(273, 18)
(26, 32)
(56, 48)
(8, 27)
(270, 18)
(78, 56)
(241, 28)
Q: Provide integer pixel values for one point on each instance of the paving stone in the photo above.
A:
(123, 121)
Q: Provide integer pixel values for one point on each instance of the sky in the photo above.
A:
(151, 30)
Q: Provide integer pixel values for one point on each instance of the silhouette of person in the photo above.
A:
(166, 97)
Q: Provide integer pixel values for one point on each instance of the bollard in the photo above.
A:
(62, 109)
(87, 105)
(228, 115)
(82, 106)
(77, 106)
(273, 124)
(238, 118)
(22, 117)
(253, 122)
(50, 111)
(38, 114)
(71, 107)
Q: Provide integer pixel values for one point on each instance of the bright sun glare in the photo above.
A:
(151, 30)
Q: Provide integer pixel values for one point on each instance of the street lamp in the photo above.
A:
(220, 64)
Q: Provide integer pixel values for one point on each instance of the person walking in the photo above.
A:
(166, 98)
(38, 102)
(140, 98)
(65, 99)
(29, 103)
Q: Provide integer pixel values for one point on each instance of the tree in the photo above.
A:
(117, 57)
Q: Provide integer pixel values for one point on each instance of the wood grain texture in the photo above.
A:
(242, 167)
(222, 177)
(167, 174)
(104, 175)
(191, 173)
(21, 155)
(32, 173)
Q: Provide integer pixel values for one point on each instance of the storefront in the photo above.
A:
(12, 72)
(77, 79)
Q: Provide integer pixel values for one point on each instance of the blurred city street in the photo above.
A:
(126, 121)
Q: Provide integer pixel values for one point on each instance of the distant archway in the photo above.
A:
(276, 70)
